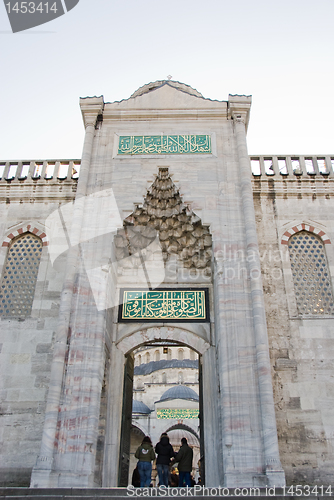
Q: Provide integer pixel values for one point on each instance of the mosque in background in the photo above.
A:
(167, 282)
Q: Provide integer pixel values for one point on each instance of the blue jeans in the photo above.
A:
(184, 476)
(163, 474)
(145, 472)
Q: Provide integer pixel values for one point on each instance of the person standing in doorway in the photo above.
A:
(184, 458)
(165, 452)
(145, 454)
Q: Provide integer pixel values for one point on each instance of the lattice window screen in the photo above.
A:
(20, 275)
(310, 274)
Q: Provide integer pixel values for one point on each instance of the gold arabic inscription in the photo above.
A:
(164, 144)
(166, 413)
(164, 304)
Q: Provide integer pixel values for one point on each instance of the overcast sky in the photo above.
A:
(280, 52)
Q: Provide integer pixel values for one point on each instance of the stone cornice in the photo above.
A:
(239, 108)
(91, 108)
(154, 114)
(293, 187)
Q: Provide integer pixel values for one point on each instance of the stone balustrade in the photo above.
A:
(50, 171)
(277, 166)
(293, 165)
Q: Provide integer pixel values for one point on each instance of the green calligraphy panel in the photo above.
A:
(164, 144)
(179, 414)
(164, 305)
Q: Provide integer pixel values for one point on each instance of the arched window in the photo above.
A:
(20, 275)
(180, 378)
(192, 354)
(310, 273)
(157, 355)
(148, 357)
(139, 359)
(164, 378)
(180, 354)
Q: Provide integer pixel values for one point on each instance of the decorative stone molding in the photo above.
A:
(239, 108)
(29, 228)
(304, 227)
(91, 108)
(159, 83)
(140, 337)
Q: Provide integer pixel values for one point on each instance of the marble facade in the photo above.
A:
(265, 369)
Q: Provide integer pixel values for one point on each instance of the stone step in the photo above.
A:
(172, 493)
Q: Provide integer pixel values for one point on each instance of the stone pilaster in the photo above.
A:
(41, 475)
(239, 108)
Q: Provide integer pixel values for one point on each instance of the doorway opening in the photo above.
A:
(166, 397)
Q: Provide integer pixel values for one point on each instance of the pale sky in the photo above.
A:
(280, 52)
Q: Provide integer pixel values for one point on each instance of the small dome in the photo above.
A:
(179, 392)
(140, 407)
(163, 364)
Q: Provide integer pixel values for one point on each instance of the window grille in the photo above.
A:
(310, 274)
(20, 276)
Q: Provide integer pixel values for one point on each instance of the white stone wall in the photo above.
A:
(301, 348)
(82, 436)
(27, 343)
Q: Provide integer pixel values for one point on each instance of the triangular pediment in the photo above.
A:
(167, 96)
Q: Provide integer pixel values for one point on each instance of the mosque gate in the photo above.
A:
(197, 150)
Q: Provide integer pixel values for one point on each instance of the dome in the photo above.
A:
(140, 407)
(163, 364)
(159, 83)
(179, 392)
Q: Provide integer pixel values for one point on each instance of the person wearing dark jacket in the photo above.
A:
(165, 452)
(184, 458)
(145, 454)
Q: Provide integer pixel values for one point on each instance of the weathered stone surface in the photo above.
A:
(209, 215)
(302, 377)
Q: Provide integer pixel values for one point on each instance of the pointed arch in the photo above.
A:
(25, 228)
(183, 427)
(304, 227)
(153, 334)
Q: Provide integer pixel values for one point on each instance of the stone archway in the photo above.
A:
(121, 353)
(184, 427)
(187, 337)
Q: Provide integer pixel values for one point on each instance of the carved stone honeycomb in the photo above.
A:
(181, 232)
(310, 274)
(20, 275)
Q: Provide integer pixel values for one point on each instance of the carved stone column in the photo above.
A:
(239, 110)
(41, 475)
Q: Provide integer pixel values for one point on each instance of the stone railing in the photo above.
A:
(292, 165)
(266, 166)
(50, 171)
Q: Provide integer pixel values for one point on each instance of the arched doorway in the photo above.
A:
(176, 433)
(161, 400)
(119, 416)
